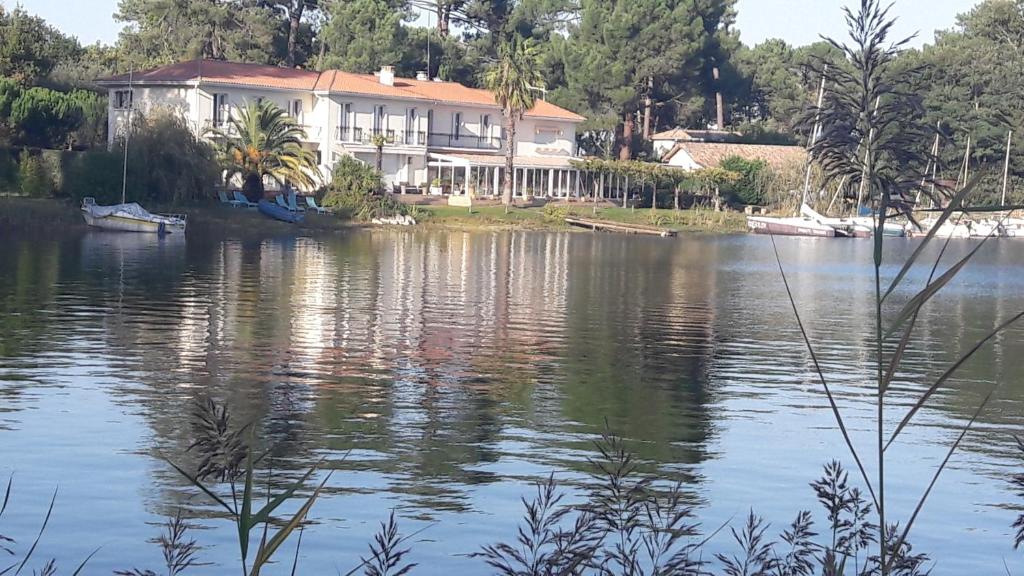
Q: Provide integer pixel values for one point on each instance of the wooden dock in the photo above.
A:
(618, 227)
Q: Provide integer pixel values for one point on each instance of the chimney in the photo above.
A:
(387, 75)
(422, 76)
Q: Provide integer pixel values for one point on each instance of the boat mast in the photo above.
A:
(966, 172)
(929, 167)
(1006, 168)
(815, 133)
(127, 135)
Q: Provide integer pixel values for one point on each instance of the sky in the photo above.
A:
(796, 21)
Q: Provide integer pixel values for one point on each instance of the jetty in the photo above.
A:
(618, 227)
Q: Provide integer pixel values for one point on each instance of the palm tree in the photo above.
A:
(265, 141)
(378, 142)
(512, 81)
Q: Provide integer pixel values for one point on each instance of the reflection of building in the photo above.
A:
(428, 129)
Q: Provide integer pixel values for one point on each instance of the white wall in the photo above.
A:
(683, 160)
(148, 99)
(542, 137)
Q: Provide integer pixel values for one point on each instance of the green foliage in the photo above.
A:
(351, 175)
(47, 118)
(608, 74)
(167, 164)
(9, 92)
(33, 179)
(363, 35)
(43, 117)
(353, 192)
(30, 48)
(8, 170)
(747, 187)
(95, 173)
(167, 32)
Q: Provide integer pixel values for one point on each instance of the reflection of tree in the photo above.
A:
(639, 339)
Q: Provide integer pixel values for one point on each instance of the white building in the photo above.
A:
(435, 132)
(665, 141)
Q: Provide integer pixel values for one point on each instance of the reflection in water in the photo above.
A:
(443, 372)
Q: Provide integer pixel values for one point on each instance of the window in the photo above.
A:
(410, 126)
(295, 110)
(430, 120)
(378, 119)
(456, 125)
(344, 121)
(221, 111)
(485, 125)
(123, 99)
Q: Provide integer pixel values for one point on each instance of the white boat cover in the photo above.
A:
(130, 209)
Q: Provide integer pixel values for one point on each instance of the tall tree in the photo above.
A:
(626, 58)
(168, 31)
(30, 48)
(363, 35)
(513, 79)
(293, 13)
(972, 78)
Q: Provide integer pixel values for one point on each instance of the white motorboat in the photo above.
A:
(130, 217)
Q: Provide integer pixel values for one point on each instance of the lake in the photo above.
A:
(441, 374)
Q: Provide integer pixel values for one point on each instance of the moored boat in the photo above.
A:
(130, 217)
(279, 213)
(790, 227)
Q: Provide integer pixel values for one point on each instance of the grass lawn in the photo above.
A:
(552, 216)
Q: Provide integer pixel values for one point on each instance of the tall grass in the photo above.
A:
(870, 138)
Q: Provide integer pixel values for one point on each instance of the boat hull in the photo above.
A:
(278, 213)
(123, 223)
(789, 227)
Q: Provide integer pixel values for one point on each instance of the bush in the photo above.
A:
(33, 179)
(8, 171)
(353, 192)
(167, 164)
(44, 117)
(95, 173)
(351, 175)
(747, 189)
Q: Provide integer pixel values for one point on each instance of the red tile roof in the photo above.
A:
(260, 76)
(221, 72)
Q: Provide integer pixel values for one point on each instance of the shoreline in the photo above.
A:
(30, 216)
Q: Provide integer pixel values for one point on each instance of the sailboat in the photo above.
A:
(802, 224)
(129, 216)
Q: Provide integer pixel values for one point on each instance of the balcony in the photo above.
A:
(353, 135)
(444, 140)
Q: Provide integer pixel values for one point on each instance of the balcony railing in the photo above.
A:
(391, 137)
(443, 140)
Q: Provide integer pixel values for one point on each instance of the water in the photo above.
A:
(441, 374)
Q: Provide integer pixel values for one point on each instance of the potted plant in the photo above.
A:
(435, 187)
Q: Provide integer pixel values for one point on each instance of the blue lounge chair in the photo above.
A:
(225, 200)
(312, 205)
(243, 201)
(279, 199)
(293, 203)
